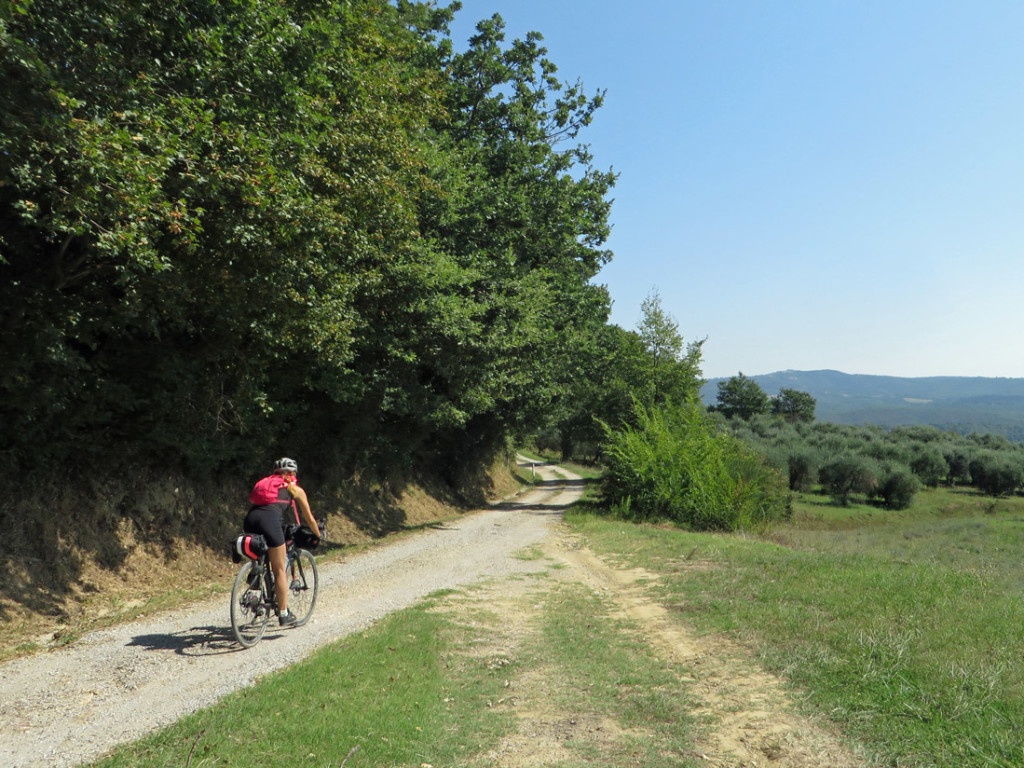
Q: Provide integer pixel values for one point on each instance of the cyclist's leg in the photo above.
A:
(266, 520)
(278, 561)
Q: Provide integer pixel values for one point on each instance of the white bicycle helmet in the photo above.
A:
(286, 465)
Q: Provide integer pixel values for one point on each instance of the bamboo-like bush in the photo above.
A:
(674, 463)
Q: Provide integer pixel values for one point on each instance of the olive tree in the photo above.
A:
(848, 474)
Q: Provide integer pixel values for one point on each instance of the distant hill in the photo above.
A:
(960, 404)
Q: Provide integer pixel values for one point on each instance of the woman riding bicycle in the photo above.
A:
(272, 498)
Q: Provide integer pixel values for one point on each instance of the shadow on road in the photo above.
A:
(542, 507)
(197, 641)
(435, 525)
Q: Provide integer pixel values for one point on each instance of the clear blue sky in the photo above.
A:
(808, 183)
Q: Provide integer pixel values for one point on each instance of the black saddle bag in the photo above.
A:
(247, 546)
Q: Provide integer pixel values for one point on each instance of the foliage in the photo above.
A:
(897, 488)
(671, 368)
(194, 191)
(803, 470)
(479, 321)
(996, 473)
(674, 464)
(929, 464)
(961, 405)
(228, 230)
(793, 405)
(741, 397)
(610, 368)
(959, 465)
(601, 379)
(848, 474)
(820, 452)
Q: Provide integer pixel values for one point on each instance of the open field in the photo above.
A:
(894, 635)
(903, 628)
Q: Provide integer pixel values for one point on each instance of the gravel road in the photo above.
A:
(71, 706)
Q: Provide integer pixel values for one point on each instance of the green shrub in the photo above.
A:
(930, 465)
(675, 464)
(959, 465)
(803, 470)
(848, 474)
(997, 474)
(897, 488)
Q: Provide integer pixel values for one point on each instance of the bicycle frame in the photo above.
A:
(254, 599)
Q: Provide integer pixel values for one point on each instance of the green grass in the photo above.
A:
(960, 529)
(417, 690)
(586, 471)
(533, 455)
(903, 628)
(394, 693)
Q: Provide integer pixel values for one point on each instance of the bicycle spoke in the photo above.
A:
(249, 612)
(304, 585)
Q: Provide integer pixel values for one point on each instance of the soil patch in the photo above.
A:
(747, 716)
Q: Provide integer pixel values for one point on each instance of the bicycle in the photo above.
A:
(253, 599)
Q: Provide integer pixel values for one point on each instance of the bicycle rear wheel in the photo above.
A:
(249, 612)
(304, 586)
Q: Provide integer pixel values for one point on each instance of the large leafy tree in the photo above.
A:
(672, 366)
(619, 369)
(236, 229)
(483, 314)
(192, 194)
(601, 378)
(740, 396)
(794, 405)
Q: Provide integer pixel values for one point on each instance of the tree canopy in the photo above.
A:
(742, 397)
(612, 370)
(794, 406)
(230, 229)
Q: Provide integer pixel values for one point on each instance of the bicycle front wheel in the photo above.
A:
(249, 612)
(304, 586)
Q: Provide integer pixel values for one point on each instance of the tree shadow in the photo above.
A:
(435, 525)
(60, 549)
(545, 507)
(375, 515)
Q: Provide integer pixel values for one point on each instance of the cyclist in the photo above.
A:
(272, 498)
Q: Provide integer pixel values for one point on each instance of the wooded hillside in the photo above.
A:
(960, 404)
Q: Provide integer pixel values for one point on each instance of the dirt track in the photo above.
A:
(70, 706)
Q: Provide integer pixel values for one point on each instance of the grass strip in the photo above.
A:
(396, 692)
(602, 668)
(445, 684)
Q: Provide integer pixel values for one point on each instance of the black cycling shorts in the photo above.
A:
(266, 521)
